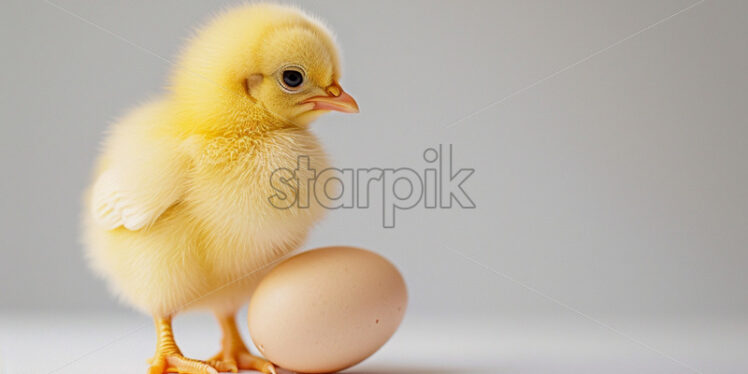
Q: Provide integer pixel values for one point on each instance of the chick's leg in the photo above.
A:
(168, 357)
(234, 352)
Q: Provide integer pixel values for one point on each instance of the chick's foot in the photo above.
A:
(242, 360)
(168, 357)
(176, 363)
(234, 353)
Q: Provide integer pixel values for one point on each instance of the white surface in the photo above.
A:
(88, 343)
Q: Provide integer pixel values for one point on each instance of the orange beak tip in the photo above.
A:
(344, 103)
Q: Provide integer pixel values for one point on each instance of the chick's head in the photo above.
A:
(259, 60)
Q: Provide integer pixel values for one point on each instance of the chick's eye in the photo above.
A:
(292, 78)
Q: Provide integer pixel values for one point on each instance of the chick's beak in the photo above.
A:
(336, 99)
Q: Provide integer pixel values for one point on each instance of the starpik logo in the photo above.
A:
(438, 185)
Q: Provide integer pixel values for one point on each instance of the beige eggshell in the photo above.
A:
(327, 309)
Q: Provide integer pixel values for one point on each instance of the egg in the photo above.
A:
(326, 309)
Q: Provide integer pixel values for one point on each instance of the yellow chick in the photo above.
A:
(178, 215)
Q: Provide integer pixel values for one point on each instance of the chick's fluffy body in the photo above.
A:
(178, 215)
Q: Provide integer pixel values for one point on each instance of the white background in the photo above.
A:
(608, 139)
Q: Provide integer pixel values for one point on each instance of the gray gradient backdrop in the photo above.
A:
(610, 176)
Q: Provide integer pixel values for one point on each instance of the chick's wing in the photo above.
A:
(140, 175)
